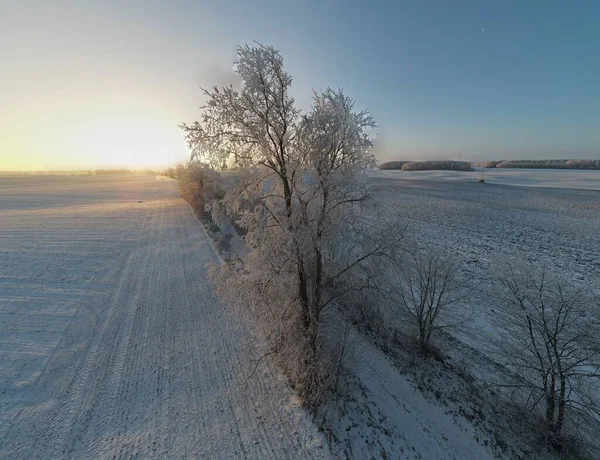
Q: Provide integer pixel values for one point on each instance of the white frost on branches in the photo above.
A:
(301, 200)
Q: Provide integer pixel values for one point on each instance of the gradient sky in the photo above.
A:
(105, 83)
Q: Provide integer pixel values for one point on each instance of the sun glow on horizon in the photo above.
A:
(98, 140)
(130, 141)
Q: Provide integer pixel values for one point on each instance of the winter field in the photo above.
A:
(551, 217)
(112, 341)
(547, 217)
(547, 178)
(544, 217)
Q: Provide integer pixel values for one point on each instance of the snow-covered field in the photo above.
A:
(551, 178)
(479, 224)
(112, 341)
(430, 411)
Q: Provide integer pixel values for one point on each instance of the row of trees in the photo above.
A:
(316, 238)
(548, 331)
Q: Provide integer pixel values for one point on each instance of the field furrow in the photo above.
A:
(113, 343)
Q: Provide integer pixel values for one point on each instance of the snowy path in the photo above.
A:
(112, 341)
(425, 429)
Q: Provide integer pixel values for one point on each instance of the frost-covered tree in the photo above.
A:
(300, 199)
(199, 184)
(550, 339)
(430, 292)
(179, 171)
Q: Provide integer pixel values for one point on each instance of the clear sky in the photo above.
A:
(105, 83)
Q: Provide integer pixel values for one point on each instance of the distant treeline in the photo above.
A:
(541, 164)
(104, 172)
(442, 165)
(393, 164)
(488, 164)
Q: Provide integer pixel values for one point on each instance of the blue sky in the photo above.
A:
(483, 79)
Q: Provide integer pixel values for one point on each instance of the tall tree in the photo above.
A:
(301, 202)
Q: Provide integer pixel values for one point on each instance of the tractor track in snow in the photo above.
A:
(145, 362)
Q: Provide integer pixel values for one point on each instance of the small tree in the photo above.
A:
(550, 339)
(430, 292)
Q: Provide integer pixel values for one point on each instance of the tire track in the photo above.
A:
(82, 387)
(153, 365)
(106, 412)
(71, 365)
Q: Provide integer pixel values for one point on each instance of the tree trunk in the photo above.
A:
(422, 336)
(551, 403)
(302, 281)
(303, 295)
(550, 408)
(560, 418)
(312, 337)
(318, 282)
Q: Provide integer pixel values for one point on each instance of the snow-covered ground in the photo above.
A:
(112, 341)
(479, 224)
(551, 178)
(482, 224)
(385, 415)
(395, 409)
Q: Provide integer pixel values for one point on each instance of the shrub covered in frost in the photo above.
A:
(199, 184)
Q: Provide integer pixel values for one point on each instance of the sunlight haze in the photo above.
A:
(106, 84)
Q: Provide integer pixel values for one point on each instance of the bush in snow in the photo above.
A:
(199, 184)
